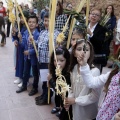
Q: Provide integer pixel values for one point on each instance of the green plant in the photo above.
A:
(40, 4)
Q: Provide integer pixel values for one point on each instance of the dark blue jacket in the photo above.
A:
(112, 23)
(24, 43)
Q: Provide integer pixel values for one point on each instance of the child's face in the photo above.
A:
(46, 23)
(74, 38)
(61, 61)
(79, 50)
(32, 23)
(21, 20)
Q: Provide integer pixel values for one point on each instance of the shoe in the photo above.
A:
(55, 110)
(20, 85)
(33, 92)
(42, 102)
(58, 114)
(18, 81)
(39, 97)
(21, 89)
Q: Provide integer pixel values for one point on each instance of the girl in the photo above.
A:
(111, 23)
(82, 99)
(77, 34)
(110, 97)
(63, 59)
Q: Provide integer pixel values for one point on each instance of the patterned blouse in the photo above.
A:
(111, 103)
(43, 45)
(60, 22)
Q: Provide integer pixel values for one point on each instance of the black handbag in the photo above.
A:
(100, 59)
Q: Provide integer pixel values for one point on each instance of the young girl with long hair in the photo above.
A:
(63, 60)
(109, 103)
(82, 99)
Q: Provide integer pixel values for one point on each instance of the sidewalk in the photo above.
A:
(15, 106)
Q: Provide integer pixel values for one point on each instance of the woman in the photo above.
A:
(111, 23)
(96, 34)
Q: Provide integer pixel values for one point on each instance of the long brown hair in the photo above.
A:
(61, 8)
(113, 72)
(112, 13)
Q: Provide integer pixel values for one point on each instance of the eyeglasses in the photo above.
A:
(69, 6)
(93, 14)
(79, 40)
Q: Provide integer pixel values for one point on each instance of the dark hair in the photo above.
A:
(59, 51)
(112, 13)
(1, 2)
(79, 31)
(25, 13)
(61, 8)
(74, 59)
(113, 72)
(46, 15)
(32, 16)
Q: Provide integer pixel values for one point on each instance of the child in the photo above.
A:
(30, 58)
(82, 99)
(110, 103)
(20, 56)
(77, 34)
(43, 49)
(63, 59)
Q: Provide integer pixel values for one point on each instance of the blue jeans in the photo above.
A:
(27, 67)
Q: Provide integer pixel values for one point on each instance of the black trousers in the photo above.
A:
(3, 40)
(8, 28)
(26, 74)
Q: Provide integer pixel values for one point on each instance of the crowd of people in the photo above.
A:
(92, 96)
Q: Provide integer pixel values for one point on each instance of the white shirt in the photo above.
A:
(92, 29)
(90, 81)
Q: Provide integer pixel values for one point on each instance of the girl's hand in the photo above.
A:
(82, 60)
(69, 101)
(67, 107)
(117, 116)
